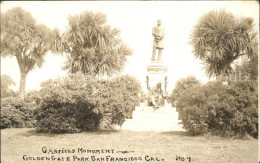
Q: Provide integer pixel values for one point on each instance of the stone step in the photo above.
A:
(155, 112)
(147, 118)
(165, 105)
(152, 109)
(152, 113)
(155, 116)
(153, 120)
(156, 125)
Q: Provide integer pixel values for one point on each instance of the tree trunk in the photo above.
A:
(22, 85)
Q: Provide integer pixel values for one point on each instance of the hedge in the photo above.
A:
(219, 109)
(16, 113)
(78, 103)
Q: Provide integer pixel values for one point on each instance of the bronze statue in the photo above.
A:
(158, 33)
(157, 96)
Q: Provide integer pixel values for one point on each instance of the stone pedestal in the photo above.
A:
(156, 73)
(147, 118)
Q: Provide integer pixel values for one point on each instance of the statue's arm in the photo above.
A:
(154, 33)
(162, 35)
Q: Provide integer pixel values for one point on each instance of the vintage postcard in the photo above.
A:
(129, 81)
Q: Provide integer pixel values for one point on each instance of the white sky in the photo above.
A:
(135, 20)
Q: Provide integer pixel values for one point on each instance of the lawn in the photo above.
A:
(18, 145)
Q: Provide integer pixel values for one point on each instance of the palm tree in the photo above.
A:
(93, 47)
(219, 39)
(28, 42)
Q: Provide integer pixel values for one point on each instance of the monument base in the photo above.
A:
(147, 118)
(156, 73)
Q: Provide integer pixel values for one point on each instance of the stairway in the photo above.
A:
(146, 118)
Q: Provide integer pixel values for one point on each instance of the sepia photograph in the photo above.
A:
(129, 81)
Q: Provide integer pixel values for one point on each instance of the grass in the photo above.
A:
(165, 146)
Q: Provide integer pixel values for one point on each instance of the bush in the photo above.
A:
(181, 86)
(66, 105)
(120, 98)
(17, 113)
(79, 103)
(228, 110)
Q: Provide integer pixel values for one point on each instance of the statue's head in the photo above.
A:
(159, 85)
(159, 22)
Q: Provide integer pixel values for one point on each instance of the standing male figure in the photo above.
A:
(158, 33)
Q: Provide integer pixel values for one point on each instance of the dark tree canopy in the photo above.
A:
(93, 47)
(219, 38)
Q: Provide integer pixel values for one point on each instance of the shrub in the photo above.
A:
(228, 110)
(17, 113)
(181, 86)
(79, 103)
(192, 110)
(120, 98)
(66, 105)
(244, 97)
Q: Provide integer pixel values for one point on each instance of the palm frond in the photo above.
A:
(219, 39)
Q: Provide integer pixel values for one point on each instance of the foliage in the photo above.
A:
(228, 110)
(33, 95)
(219, 38)
(6, 82)
(183, 85)
(248, 69)
(120, 97)
(66, 104)
(244, 97)
(17, 113)
(27, 41)
(79, 103)
(93, 47)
